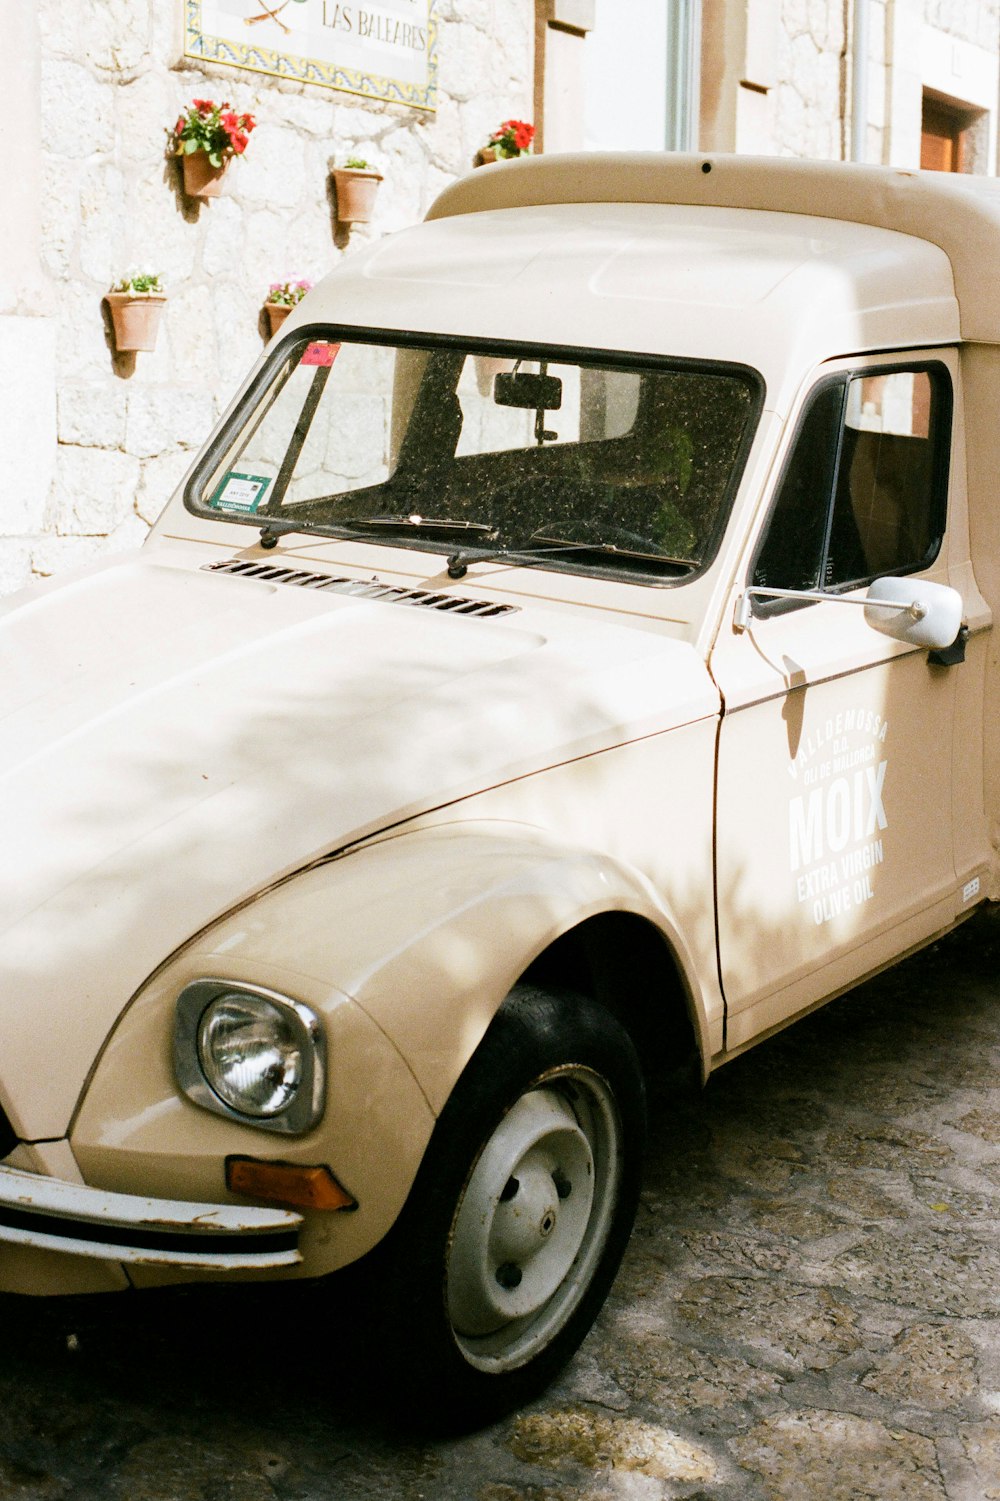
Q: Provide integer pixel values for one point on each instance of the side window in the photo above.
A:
(791, 552)
(863, 492)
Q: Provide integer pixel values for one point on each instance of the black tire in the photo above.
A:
(492, 1277)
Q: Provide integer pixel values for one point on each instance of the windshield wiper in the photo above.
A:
(458, 563)
(414, 522)
(436, 526)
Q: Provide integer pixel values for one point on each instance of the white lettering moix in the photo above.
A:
(826, 819)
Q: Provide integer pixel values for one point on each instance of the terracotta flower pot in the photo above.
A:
(485, 155)
(276, 312)
(201, 179)
(135, 317)
(356, 188)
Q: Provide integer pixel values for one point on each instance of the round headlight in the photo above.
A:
(251, 1054)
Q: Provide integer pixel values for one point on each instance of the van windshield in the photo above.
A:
(566, 463)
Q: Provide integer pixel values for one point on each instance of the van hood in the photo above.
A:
(173, 740)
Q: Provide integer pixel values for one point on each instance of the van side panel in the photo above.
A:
(981, 384)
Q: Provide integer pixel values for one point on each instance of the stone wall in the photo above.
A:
(809, 115)
(947, 46)
(102, 439)
(974, 21)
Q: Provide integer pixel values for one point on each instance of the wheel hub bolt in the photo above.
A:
(509, 1276)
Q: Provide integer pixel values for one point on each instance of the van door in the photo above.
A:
(835, 815)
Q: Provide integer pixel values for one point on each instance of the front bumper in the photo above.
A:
(53, 1215)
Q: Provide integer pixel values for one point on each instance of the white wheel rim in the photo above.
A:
(534, 1219)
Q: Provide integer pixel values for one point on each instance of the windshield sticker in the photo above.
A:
(240, 492)
(320, 353)
(835, 826)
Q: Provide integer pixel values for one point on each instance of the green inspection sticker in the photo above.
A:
(240, 492)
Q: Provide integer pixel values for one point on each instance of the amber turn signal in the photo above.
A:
(287, 1183)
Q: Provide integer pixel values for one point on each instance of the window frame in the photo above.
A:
(612, 359)
(943, 410)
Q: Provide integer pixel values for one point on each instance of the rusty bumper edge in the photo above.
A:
(54, 1215)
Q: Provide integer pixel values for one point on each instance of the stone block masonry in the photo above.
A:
(97, 442)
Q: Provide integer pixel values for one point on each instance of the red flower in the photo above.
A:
(215, 128)
(513, 137)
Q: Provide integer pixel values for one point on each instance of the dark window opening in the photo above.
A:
(950, 136)
(863, 491)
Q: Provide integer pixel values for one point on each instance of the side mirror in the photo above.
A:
(915, 610)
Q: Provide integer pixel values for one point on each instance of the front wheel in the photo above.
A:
(522, 1208)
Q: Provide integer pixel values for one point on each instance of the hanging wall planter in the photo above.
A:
(276, 313)
(136, 305)
(201, 179)
(356, 185)
(206, 139)
(281, 298)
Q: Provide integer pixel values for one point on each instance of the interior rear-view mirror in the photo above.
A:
(535, 393)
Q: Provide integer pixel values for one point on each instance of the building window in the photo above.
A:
(948, 135)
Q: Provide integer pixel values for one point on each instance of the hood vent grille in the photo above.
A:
(272, 573)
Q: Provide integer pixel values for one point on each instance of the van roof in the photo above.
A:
(778, 291)
(955, 211)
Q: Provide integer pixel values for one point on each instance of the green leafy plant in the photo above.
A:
(213, 128)
(357, 164)
(142, 283)
(288, 293)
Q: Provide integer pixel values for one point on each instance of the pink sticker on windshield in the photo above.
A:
(320, 354)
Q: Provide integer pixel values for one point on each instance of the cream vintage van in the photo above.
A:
(570, 654)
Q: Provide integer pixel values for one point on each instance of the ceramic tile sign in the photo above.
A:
(384, 50)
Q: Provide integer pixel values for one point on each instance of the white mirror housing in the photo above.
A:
(915, 610)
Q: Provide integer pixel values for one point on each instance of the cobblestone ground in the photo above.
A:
(808, 1312)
